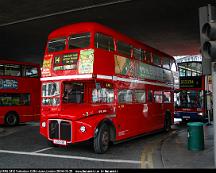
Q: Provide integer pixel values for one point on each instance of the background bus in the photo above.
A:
(120, 88)
(190, 99)
(19, 92)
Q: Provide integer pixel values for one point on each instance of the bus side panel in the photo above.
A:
(103, 62)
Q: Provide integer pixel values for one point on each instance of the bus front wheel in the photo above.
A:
(11, 119)
(102, 139)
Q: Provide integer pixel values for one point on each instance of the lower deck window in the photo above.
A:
(158, 96)
(140, 96)
(14, 99)
(102, 95)
(125, 96)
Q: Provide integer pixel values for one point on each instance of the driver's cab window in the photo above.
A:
(73, 92)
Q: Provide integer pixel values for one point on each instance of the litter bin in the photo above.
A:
(195, 136)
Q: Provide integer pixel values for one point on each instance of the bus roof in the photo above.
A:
(96, 27)
(18, 62)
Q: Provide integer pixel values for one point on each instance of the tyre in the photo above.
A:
(11, 119)
(102, 139)
(167, 123)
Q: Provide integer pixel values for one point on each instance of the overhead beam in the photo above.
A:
(65, 12)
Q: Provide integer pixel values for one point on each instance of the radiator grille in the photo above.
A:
(60, 129)
(53, 129)
(65, 130)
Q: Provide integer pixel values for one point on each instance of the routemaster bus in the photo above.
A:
(190, 98)
(102, 86)
(19, 92)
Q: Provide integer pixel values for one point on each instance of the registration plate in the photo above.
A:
(186, 117)
(59, 142)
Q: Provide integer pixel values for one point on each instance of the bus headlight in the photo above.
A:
(82, 129)
(200, 114)
(43, 124)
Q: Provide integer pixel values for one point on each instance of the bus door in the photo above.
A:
(126, 120)
(154, 109)
(158, 109)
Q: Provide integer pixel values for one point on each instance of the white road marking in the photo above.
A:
(70, 157)
(38, 151)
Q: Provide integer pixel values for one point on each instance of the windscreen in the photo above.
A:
(73, 92)
(188, 99)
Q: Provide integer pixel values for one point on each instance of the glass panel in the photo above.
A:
(73, 92)
(104, 42)
(56, 45)
(166, 63)
(188, 73)
(12, 70)
(173, 65)
(200, 99)
(125, 96)
(138, 54)
(102, 95)
(147, 56)
(77, 41)
(158, 96)
(51, 101)
(51, 89)
(1, 69)
(186, 99)
(140, 96)
(156, 60)
(30, 71)
(167, 97)
(182, 72)
(14, 99)
(123, 48)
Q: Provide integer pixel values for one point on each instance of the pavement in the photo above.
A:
(175, 152)
(1, 129)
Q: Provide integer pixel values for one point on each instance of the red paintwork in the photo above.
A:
(130, 119)
(25, 85)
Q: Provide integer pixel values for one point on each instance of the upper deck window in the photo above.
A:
(12, 70)
(166, 63)
(173, 65)
(147, 56)
(77, 41)
(156, 60)
(56, 45)
(123, 48)
(104, 42)
(138, 53)
(30, 71)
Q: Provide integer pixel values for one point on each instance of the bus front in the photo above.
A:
(73, 100)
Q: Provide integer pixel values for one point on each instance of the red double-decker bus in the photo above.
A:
(19, 92)
(100, 85)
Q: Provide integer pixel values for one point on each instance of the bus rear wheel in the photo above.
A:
(11, 119)
(102, 139)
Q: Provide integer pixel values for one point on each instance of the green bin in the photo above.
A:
(195, 136)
